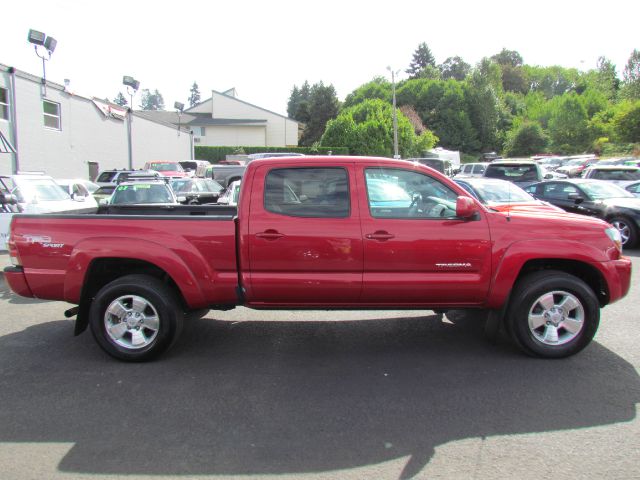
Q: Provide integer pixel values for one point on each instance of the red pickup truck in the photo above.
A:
(326, 233)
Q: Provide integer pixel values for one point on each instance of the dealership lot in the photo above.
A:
(378, 394)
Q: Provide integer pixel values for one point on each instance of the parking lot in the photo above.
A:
(317, 395)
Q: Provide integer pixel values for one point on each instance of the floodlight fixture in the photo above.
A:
(40, 39)
(178, 106)
(129, 81)
(50, 44)
(395, 116)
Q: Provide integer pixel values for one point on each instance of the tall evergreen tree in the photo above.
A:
(194, 98)
(631, 76)
(323, 106)
(121, 100)
(299, 103)
(422, 57)
(151, 100)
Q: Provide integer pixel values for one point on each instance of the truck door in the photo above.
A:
(304, 240)
(416, 251)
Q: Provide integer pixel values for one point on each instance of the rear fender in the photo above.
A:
(126, 248)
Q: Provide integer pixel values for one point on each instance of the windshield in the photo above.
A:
(499, 192)
(616, 174)
(165, 167)
(513, 173)
(141, 193)
(599, 191)
(40, 190)
(196, 185)
(574, 163)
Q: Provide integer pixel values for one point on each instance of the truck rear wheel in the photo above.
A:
(135, 318)
(552, 314)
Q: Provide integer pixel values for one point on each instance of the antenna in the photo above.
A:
(509, 201)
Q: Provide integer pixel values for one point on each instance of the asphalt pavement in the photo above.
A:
(317, 395)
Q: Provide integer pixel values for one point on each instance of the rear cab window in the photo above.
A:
(321, 192)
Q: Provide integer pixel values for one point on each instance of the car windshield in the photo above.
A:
(602, 190)
(514, 173)
(141, 193)
(616, 174)
(196, 185)
(575, 163)
(499, 192)
(40, 190)
(106, 177)
(165, 167)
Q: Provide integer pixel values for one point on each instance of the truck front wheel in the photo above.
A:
(552, 314)
(135, 318)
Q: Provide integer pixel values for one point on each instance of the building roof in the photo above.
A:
(196, 119)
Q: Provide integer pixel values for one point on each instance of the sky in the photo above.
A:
(264, 48)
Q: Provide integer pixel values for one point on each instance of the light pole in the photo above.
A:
(395, 115)
(179, 108)
(132, 87)
(40, 39)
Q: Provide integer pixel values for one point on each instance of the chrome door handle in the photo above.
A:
(381, 236)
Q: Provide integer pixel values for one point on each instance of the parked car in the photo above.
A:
(551, 164)
(191, 166)
(38, 193)
(443, 166)
(166, 168)
(104, 192)
(79, 190)
(489, 157)
(143, 192)
(597, 199)
(614, 161)
(133, 278)
(472, 170)
(634, 188)
(197, 191)
(520, 172)
(575, 166)
(114, 176)
(231, 194)
(619, 174)
(503, 196)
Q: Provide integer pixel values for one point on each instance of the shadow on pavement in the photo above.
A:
(293, 397)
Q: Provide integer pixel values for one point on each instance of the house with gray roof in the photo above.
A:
(225, 120)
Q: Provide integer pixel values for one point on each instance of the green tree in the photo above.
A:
(508, 57)
(568, 125)
(299, 103)
(631, 77)
(367, 129)
(422, 58)
(151, 100)
(551, 81)
(603, 79)
(323, 106)
(121, 100)
(626, 122)
(379, 88)
(194, 97)
(524, 139)
(455, 68)
(483, 91)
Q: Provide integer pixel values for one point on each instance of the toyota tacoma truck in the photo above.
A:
(323, 233)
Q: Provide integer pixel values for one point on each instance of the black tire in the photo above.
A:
(159, 326)
(627, 228)
(583, 318)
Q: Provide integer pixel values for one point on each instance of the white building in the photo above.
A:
(68, 135)
(225, 120)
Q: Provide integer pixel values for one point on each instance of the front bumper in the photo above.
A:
(618, 277)
(17, 281)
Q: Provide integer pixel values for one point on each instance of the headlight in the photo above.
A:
(615, 237)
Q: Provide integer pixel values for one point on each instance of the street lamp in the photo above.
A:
(179, 108)
(395, 116)
(44, 46)
(132, 87)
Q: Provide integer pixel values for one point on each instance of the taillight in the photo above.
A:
(13, 252)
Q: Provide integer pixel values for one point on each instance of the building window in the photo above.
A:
(4, 103)
(51, 114)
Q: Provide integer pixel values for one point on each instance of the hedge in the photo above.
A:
(215, 154)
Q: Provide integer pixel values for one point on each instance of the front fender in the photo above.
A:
(510, 264)
(137, 249)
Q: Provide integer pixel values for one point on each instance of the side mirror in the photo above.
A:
(77, 198)
(576, 197)
(466, 208)
(548, 176)
(181, 199)
(104, 201)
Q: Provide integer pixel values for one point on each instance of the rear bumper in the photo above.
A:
(618, 276)
(17, 281)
